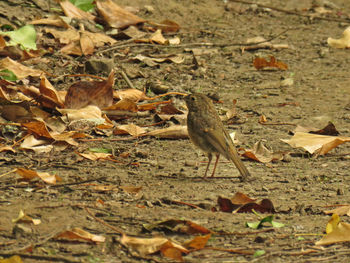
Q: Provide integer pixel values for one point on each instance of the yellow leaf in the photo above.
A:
(332, 223)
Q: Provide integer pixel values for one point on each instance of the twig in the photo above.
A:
(184, 203)
(122, 45)
(9, 172)
(245, 233)
(237, 251)
(119, 231)
(278, 123)
(127, 80)
(292, 12)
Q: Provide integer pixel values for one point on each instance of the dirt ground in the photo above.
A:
(170, 170)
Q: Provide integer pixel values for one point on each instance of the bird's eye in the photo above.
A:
(193, 98)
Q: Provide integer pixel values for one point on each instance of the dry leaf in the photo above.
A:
(264, 45)
(84, 93)
(168, 26)
(90, 112)
(172, 132)
(53, 20)
(23, 218)
(96, 156)
(30, 174)
(343, 42)
(130, 128)
(340, 234)
(123, 105)
(38, 146)
(262, 63)
(332, 223)
(261, 154)
(241, 203)
(169, 251)
(314, 143)
(198, 242)
(153, 61)
(341, 210)
(115, 16)
(134, 95)
(146, 246)
(39, 128)
(72, 11)
(47, 90)
(80, 234)
(18, 69)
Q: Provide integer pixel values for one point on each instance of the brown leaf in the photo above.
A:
(198, 242)
(340, 234)
(261, 63)
(80, 234)
(241, 199)
(46, 89)
(171, 252)
(341, 210)
(123, 105)
(143, 246)
(30, 174)
(24, 218)
(18, 69)
(84, 93)
(328, 130)
(170, 109)
(115, 16)
(86, 44)
(261, 154)
(172, 132)
(38, 146)
(134, 95)
(130, 128)
(39, 128)
(53, 20)
(314, 143)
(241, 203)
(72, 11)
(96, 156)
(168, 26)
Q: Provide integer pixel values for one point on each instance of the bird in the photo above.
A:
(207, 132)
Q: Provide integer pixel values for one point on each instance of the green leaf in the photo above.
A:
(100, 150)
(254, 225)
(85, 5)
(24, 36)
(267, 219)
(8, 75)
(259, 253)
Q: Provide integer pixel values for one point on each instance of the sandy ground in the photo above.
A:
(170, 170)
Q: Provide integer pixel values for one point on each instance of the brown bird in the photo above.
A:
(207, 132)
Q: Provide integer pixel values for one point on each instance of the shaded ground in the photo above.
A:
(170, 169)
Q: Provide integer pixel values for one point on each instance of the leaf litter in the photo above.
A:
(45, 120)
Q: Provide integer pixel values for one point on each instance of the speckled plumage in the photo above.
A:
(207, 132)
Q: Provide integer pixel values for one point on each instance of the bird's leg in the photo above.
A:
(216, 162)
(210, 157)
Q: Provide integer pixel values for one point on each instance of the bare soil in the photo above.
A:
(171, 170)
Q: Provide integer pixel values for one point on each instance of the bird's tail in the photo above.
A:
(239, 164)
